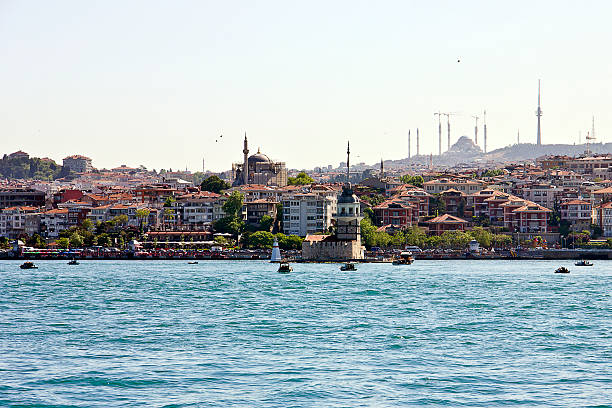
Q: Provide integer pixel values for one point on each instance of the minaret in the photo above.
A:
(485, 131)
(382, 168)
(539, 115)
(417, 141)
(245, 165)
(409, 144)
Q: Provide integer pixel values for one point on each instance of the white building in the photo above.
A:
(308, 213)
(53, 222)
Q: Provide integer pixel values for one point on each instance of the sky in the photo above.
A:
(156, 83)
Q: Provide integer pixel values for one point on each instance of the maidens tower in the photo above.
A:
(345, 244)
(348, 217)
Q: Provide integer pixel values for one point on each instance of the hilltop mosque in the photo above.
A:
(258, 169)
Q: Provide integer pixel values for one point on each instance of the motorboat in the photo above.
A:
(193, 262)
(405, 258)
(562, 269)
(583, 262)
(349, 266)
(28, 265)
(73, 262)
(284, 267)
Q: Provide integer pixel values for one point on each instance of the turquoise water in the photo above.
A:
(436, 333)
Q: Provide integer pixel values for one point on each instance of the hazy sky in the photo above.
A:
(155, 83)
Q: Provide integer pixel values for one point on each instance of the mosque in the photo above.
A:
(258, 169)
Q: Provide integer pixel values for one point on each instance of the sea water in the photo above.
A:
(233, 333)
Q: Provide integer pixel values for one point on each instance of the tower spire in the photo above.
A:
(539, 115)
(348, 164)
(245, 164)
(485, 130)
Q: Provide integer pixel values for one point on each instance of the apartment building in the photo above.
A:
(308, 213)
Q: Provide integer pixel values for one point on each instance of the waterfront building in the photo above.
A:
(308, 213)
(256, 209)
(578, 214)
(258, 169)
(196, 209)
(602, 216)
(53, 222)
(394, 212)
(78, 163)
(446, 222)
(13, 221)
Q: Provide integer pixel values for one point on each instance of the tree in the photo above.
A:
(76, 240)
(483, 236)
(233, 205)
(416, 181)
(220, 240)
(289, 242)
(214, 184)
(120, 220)
(265, 223)
(63, 242)
(300, 180)
(36, 241)
(169, 200)
(87, 224)
(104, 240)
(261, 239)
(142, 215)
(229, 225)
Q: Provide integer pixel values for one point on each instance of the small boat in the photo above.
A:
(562, 269)
(28, 265)
(285, 267)
(583, 262)
(405, 258)
(349, 266)
(73, 262)
(193, 262)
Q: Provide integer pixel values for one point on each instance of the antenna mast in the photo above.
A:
(539, 115)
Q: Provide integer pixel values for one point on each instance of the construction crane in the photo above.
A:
(439, 114)
(476, 129)
(588, 142)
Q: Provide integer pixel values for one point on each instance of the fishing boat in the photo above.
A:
(583, 262)
(562, 269)
(349, 266)
(73, 262)
(284, 267)
(405, 258)
(28, 265)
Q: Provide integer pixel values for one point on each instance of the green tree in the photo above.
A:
(142, 214)
(229, 225)
(415, 237)
(416, 181)
(214, 184)
(220, 240)
(104, 240)
(300, 180)
(484, 237)
(76, 240)
(233, 205)
(265, 223)
(261, 239)
(87, 225)
(36, 241)
(63, 242)
(437, 206)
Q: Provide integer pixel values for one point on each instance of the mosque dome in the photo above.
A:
(259, 158)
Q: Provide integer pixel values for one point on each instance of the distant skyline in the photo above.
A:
(155, 83)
